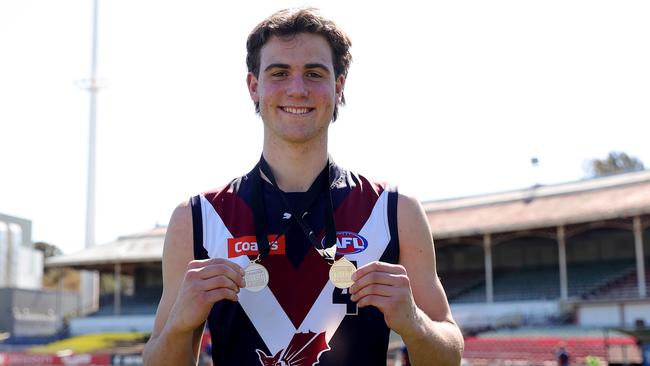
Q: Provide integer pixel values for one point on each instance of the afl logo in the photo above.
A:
(348, 242)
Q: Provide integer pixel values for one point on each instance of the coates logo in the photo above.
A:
(304, 349)
(348, 242)
(247, 245)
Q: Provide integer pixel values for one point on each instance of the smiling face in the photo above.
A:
(296, 88)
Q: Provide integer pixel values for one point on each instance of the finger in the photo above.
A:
(218, 282)
(200, 263)
(220, 294)
(217, 269)
(380, 278)
(378, 290)
(221, 269)
(377, 301)
(378, 267)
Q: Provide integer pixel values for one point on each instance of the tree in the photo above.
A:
(49, 250)
(616, 162)
(51, 276)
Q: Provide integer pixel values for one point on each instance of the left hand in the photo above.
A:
(386, 287)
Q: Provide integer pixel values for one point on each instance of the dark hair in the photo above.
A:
(289, 22)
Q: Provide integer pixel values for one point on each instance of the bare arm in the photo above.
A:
(190, 288)
(177, 347)
(435, 339)
(410, 294)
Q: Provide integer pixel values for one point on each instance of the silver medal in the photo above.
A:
(256, 277)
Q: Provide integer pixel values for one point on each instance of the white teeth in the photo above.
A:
(293, 110)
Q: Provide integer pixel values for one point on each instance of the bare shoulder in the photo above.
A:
(413, 226)
(417, 255)
(177, 253)
(178, 249)
(179, 231)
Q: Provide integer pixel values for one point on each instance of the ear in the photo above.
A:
(276, 358)
(262, 356)
(252, 83)
(340, 85)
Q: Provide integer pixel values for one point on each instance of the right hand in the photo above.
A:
(206, 282)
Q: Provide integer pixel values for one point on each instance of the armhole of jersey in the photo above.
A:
(197, 228)
(392, 220)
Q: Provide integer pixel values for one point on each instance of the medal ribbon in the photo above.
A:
(322, 183)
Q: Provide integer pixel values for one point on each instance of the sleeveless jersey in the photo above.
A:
(300, 318)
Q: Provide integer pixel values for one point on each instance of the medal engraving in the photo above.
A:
(256, 277)
(341, 273)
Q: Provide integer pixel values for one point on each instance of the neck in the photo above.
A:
(295, 167)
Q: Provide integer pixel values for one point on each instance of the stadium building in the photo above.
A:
(21, 266)
(541, 252)
(27, 311)
(544, 257)
(526, 272)
(130, 271)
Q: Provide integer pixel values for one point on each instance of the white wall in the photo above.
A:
(29, 272)
(23, 267)
(613, 315)
(599, 315)
(101, 324)
(637, 311)
(503, 313)
(3, 254)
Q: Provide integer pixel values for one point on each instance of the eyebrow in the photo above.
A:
(307, 66)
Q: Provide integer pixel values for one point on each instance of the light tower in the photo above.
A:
(90, 280)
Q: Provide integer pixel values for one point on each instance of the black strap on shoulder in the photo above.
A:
(393, 197)
(197, 228)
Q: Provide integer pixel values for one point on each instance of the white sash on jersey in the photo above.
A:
(263, 309)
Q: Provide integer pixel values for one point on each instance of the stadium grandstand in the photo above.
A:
(130, 271)
(562, 264)
(527, 272)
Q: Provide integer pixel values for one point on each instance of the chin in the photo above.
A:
(300, 137)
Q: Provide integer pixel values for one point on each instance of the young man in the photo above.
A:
(292, 227)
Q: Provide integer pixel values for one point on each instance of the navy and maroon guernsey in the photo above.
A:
(300, 319)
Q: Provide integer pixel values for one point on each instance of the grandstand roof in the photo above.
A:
(605, 198)
(138, 248)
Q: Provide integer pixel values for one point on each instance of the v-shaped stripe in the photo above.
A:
(275, 311)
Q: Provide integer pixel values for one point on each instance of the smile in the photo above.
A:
(297, 110)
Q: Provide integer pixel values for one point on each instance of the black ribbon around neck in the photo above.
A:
(321, 184)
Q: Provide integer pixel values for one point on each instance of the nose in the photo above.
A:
(297, 87)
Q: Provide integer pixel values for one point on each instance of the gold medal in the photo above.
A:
(256, 277)
(341, 273)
